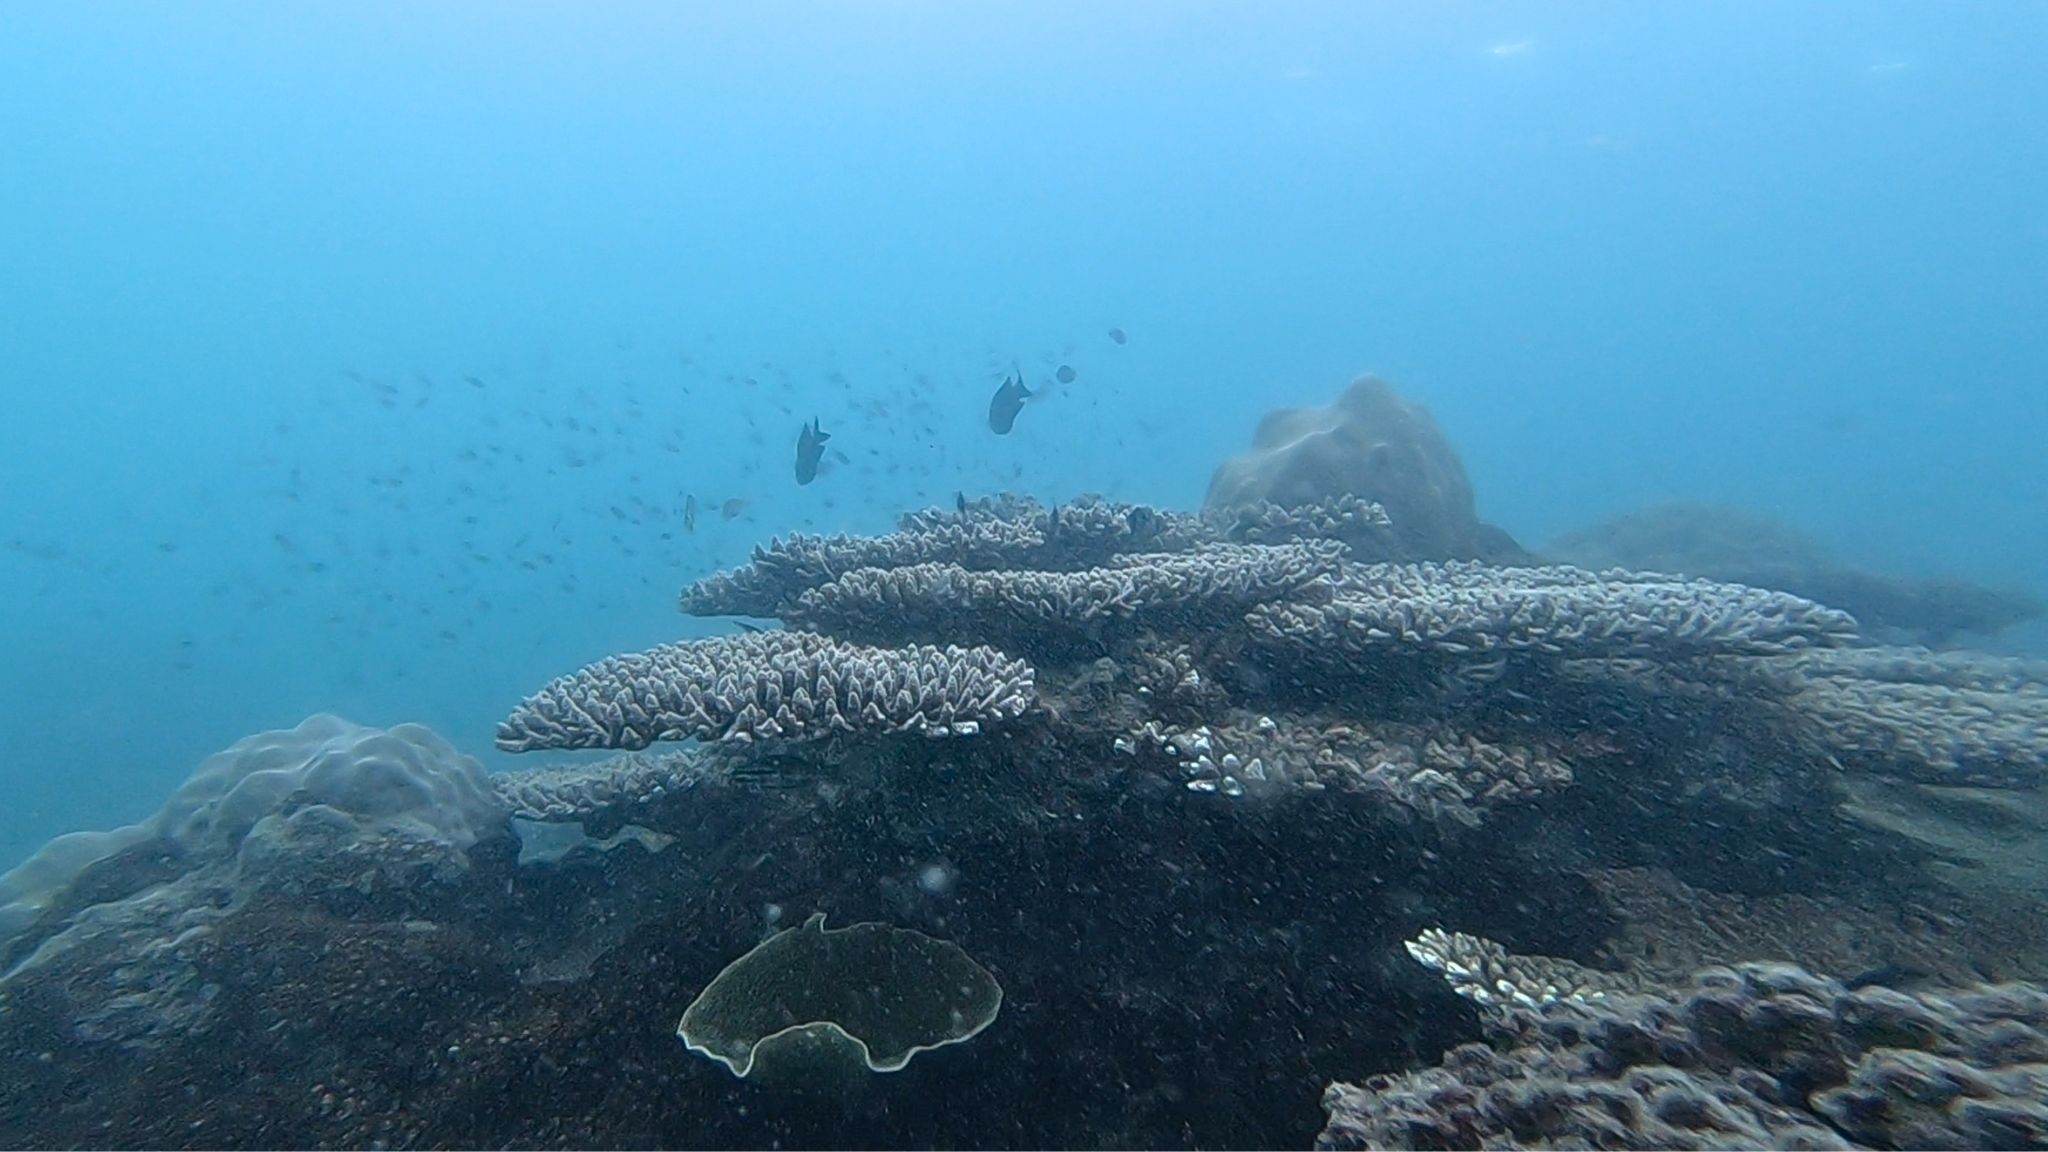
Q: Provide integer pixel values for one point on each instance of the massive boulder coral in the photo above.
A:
(404, 781)
(1755, 1055)
(330, 812)
(1470, 609)
(1370, 444)
(769, 685)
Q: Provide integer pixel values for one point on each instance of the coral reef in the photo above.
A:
(1469, 608)
(1007, 532)
(1363, 527)
(1490, 976)
(1213, 584)
(1668, 929)
(1757, 1055)
(1372, 445)
(767, 685)
(1225, 776)
(1730, 544)
(1431, 771)
(586, 792)
(329, 811)
(1941, 718)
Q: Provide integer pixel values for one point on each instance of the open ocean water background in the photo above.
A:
(360, 357)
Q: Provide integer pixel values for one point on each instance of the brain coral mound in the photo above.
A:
(1757, 1055)
(328, 807)
(769, 685)
(1371, 444)
(811, 1001)
(371, 779)
(404, 776)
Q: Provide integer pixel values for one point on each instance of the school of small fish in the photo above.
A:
(375, 521)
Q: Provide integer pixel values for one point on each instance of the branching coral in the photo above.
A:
(769, 685)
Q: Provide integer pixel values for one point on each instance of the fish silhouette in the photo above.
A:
(1006, 403)
(810, 448)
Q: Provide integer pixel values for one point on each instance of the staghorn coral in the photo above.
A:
(769, 685)
(1168, 673)
(1465, 609)
(1939, 718)
(1009, 532)
(586, 791)
(1492, 977)
(1362, 526)
(1211, 583)
(1731, 544)
(1081, 533)
(1757, 1055)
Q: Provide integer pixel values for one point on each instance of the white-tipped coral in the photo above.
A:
(1217, 581)
(769, 685)
(1489, 975)
(1943, 718)
(1463, 609)
(982, 536)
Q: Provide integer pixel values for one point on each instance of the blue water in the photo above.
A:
(1792, 257)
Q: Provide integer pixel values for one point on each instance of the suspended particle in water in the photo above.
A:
(937, 878)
